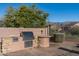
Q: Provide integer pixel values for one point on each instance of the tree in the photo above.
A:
(9, 17)
(25, 16)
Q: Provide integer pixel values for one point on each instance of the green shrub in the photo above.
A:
(59, 37)
(72, 37)
(74, 31)
(52, 31)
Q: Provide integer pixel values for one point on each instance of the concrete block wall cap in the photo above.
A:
(9, 36)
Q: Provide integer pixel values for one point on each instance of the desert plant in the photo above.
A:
(74, 31)
(52, 31)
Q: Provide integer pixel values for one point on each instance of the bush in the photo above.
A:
(74, 31)
(52, 31)
(72, 37)
(59, 37)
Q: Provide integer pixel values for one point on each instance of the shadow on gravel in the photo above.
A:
(72, 51)
(77, 46)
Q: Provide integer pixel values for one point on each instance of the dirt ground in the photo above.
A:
(67, 48)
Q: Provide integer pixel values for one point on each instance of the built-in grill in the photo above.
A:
(28, 38)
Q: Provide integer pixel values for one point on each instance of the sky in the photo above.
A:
(58, 12)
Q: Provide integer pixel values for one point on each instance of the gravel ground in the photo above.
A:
(1, 54)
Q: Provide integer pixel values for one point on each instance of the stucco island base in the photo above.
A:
(8, 45)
